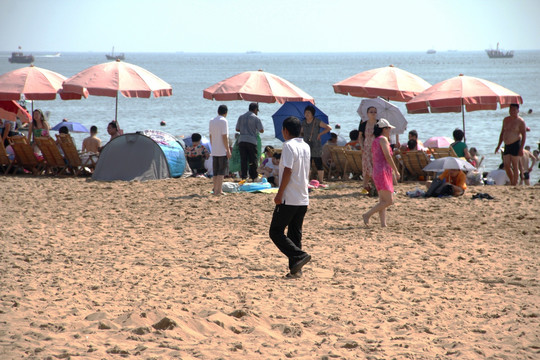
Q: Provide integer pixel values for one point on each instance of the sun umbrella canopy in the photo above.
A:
(389, 82)
(296, 108)
(34, 83)
(385, 110)
(256, 86)
(11, 110)
(473, 93)
(449, 163)
(111, 78)
(438, 142)
(74, 127)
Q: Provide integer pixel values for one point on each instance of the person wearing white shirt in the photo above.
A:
(292, 198)
(221, 153)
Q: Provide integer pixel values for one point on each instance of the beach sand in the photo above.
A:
(164, 269)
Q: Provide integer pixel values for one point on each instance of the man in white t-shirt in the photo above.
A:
(292, 198)
(221, 153)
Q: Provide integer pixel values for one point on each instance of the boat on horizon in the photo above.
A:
(499, 54)
(431, 51)
(17, 57)
(112, 56)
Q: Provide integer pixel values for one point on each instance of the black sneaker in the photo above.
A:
(294, 276)
(300, 263)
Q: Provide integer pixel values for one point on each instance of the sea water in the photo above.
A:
(186, 111)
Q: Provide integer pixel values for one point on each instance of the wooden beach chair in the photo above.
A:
(54, 162)
(354, 162)
(442, 152)
(5, 162)
(75, 163)
(24, 155)
(339, 160)
(414, 163)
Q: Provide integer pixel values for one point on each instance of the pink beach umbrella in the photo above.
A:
(438, 142)
(389, 82)
(33, 83)
(256, 86)
(111, 78)
(462, 93)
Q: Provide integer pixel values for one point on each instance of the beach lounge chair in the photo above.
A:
(339, 161)
(354, 162)
(442, 152)
(5, 162)
(414, 162)
(54, 162)
(75, 162)
(24, 155)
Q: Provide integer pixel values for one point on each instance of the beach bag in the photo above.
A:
(229, 187)
(474, 178)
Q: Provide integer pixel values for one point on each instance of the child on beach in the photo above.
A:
(292, 198)
(266, 168)
(196, 154)
(474, 158)
(273, 178)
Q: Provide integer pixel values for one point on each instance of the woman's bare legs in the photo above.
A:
(320, 176)
(385, 200)
(365, 181)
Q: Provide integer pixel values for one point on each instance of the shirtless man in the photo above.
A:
(91, 143)
(526, 166)
(513, 133)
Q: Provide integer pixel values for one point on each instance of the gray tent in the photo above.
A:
(142, 156)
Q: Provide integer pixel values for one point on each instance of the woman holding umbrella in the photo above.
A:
(312, 136)
(366, 130)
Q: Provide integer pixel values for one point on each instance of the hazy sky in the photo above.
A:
(268, 25)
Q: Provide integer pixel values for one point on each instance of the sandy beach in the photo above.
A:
(164, 269)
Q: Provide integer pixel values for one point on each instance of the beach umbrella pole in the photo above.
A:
(116, 111)
(463, 119)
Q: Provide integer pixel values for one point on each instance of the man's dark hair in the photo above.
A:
(514, 105)
(113, 124)
(253, 107)
(311, 109)
(276, 155)
(196, 137)
(93, 129)
(412, 144)
(293, 125)
(414, 133)
(458, 134)
(333, 135)
(222, 110)
(63, 130)
(354, 134)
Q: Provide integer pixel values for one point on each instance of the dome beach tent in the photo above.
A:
(141, 156)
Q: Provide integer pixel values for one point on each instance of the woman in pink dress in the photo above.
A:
(366, 130)
(383, 166)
